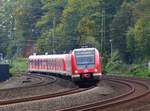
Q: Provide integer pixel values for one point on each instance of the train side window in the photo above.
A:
(59, 64)
(35, 62)
(46, 63)
(56, 64)
(53, 63)
(43, 62)
(50, 63)
(40, 63)
(62, 65)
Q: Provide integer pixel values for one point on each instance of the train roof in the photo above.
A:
(84, 49)
(47, 56)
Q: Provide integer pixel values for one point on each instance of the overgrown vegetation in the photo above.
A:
(18, 66)
(116, 67)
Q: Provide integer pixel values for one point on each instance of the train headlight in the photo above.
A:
(95, 70)
(76, 71)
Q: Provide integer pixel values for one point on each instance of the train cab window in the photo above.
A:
(85, 59)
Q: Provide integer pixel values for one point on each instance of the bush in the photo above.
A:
(17, 66)
(116, 67)
(113, 63)
(139, 70)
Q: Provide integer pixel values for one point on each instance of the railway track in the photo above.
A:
(33, 83)
(137, 90)
(40, 97)
(33, 80)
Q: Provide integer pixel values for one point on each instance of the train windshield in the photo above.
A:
(85, 59)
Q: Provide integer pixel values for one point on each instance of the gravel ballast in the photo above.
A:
(59, 86)
(97, 93)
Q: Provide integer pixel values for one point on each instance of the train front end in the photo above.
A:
(86, 64)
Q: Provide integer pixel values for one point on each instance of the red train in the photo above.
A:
(80, 64)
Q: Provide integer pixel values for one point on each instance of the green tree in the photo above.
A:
(25, 17)
(6, 25)
(50, 22)
(139, 34)
(119, 27)
(87, 25)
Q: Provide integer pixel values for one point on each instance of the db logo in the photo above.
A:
(85, 70)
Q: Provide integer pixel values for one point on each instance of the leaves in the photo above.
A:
(62, 25)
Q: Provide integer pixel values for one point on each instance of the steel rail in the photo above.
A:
(41, 81)
(114, 100)
(45, 96)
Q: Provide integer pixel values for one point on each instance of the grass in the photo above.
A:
(17, 66)
(136, 70)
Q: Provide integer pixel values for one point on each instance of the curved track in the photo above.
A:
(33, 85)
(33, 80)
(32, 98)
(137, 90)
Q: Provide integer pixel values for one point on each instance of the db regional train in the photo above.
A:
(80, 64)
